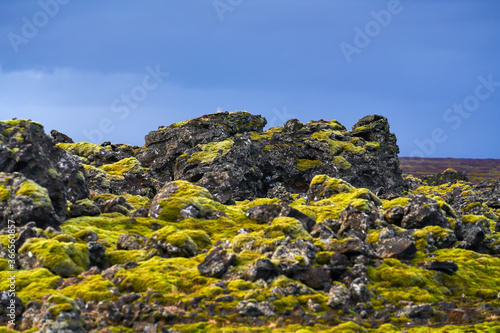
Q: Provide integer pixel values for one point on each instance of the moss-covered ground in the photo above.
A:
(159, 279)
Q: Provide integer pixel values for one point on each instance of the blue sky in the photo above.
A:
(115, 70)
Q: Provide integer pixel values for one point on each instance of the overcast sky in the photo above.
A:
(115, 70)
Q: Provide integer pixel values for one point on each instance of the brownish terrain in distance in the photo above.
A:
(477, 169)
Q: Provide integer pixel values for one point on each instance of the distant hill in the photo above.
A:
(477, 169)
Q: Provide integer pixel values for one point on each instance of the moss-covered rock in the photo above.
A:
(61, 258)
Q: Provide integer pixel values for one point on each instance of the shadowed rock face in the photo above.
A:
(25, 148)
(229, 154)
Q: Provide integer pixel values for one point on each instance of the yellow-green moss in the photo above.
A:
(126, 256)
(64, 259)
(303, 165)
(396, 281)
(39, 194)
(110, 226)
(337, 184)
(126, 165)
(336, 147)
(31, 284)
(164, 275)
(53, 173)
(212, 150)
(62, 303)
(287, 226)
(93, 288)
(342, 163)
(476, 275)
(84, 149)
(372, 145)
(4, 193)
(388, 204)
(200, 238)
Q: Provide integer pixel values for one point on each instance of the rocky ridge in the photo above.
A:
(217, 223)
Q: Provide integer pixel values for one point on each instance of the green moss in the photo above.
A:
(303, 165)
(94, 288)
(212, 150)
(287, 226)
(110, 226)
(31, 284)
(83, 149)
(200, 238)
(39, 194)
(388, 204)
(179, 275)
(126, 165)
(62, 303)
(125, 256)
(336, 184)
(64, 238)
(373, 236)
(179, 124)
(396, 281)
(475, 275)
(53, 173)
(64, 259)
(341, 163)
(372, 145)
(4, 193)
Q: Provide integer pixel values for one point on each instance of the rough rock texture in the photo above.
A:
(447, 176)
(25, 201)
(421, 212)
(25, 148)
(300, 251)
(230, 155)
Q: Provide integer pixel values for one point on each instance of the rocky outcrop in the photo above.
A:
(26, 149)
(229, 154)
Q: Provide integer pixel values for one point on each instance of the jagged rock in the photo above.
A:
(131, 242)
(216, 263)
(168, 242)
(266, 213)
(352, 247)
(338, 296)
(448, 267)
(84, 207)
(252, 309)
(263, 213)
(263, 269)
(97, 254)
(26, 201)
(423, 310)
(447, 176)
(58, 137)
(398, 247)
(207, 151)
(322, 231)
(315, 277)
(359, 292)
(421, 211)
(358, 219)
(25, 148)
(27, 232)
(11, 305)
(473, 235)
(395, 215)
